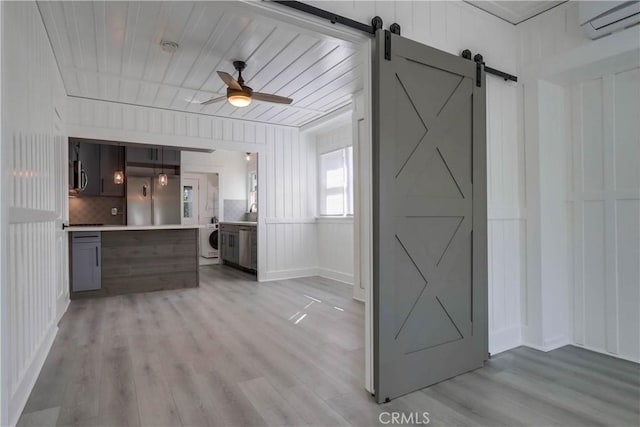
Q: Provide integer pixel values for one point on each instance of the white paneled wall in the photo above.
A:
(335, 248)
(289, 167)
(287, 164)
(605, 197)
(35, 287)
(582, 228)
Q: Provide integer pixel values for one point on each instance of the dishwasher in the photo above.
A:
(244, 248)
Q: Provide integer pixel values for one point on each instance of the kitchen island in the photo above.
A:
(114, 260)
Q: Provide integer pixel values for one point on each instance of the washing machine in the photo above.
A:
(209, 241)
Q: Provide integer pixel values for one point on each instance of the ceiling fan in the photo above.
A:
(240, 95)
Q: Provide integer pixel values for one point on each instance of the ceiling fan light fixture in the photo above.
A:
(240, 95)
(239, 98)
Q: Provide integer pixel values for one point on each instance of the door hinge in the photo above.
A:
(387, 45)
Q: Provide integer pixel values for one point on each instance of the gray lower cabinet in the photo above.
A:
(254, 248)
(233, 250)
(85, 261)
(238, 245)
(229, 248)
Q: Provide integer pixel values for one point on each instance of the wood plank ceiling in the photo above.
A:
(111, 51)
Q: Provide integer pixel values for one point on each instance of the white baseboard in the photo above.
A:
(289, 274)
(504, 339)
(18, 401)
(556, 342)
(61, 311)
(606, 353)
(550, 344)
(336, 275)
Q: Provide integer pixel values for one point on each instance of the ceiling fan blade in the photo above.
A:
(212, 100)
(229, 80)
(271, 98)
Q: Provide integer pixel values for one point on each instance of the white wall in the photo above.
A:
(605, 200)
(335, 235)
(582, 192)
(34, 282)
(231, 165)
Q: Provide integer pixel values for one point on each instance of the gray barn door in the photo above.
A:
(430, 220)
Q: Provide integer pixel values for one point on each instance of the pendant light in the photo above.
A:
(162, 178)
(118, 174)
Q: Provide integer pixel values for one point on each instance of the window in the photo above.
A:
(336, 182)
(187, 201)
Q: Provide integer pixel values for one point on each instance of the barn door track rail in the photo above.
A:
(480, 64)
(334, 18)
(376, 24)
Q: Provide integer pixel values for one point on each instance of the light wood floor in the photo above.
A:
(234, 352)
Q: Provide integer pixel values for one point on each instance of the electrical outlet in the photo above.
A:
(114, 211)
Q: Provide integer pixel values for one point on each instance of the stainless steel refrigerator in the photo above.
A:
(149, 203)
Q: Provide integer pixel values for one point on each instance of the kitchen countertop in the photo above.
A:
(250, 223)
(132, 227)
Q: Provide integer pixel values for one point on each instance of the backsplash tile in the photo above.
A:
(235, 210)
(96, 210)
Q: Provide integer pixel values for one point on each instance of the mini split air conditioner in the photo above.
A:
(600, 18)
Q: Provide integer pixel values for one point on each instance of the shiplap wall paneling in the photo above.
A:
(605, 194)
(32, 149)
(291, 233)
